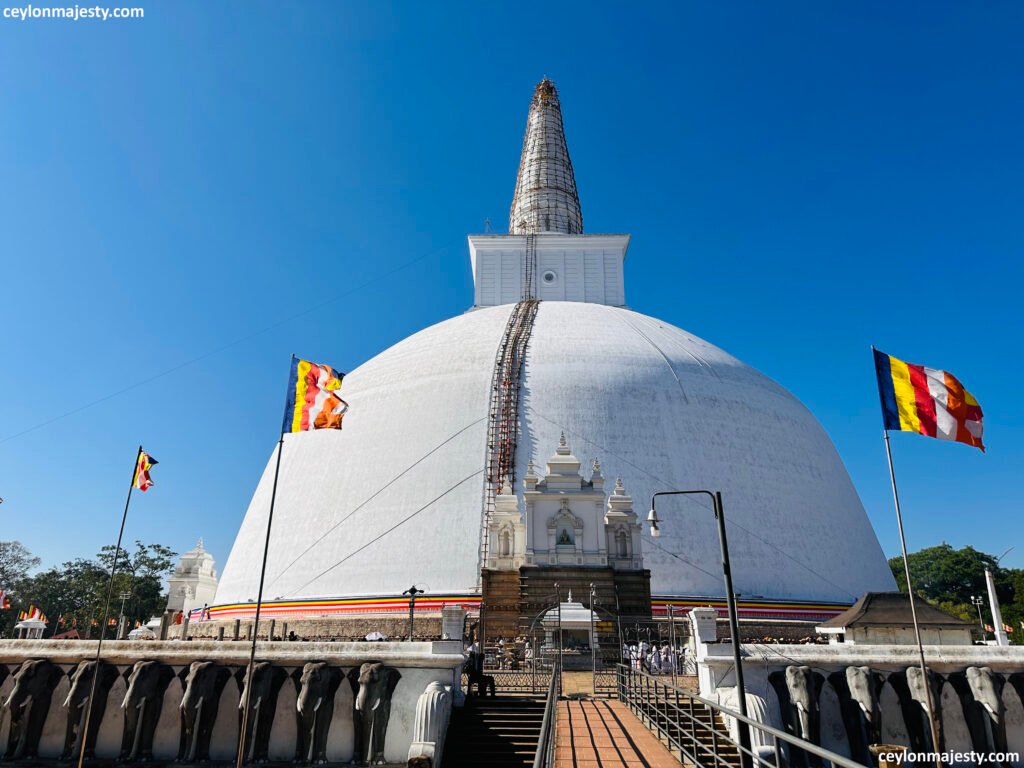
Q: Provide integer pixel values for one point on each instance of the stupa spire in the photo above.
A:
(545, 199)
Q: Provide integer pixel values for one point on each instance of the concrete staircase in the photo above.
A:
(497, 732)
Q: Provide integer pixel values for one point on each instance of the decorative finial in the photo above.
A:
(199, 544)
(597, 466)
(619, 489)
(561, 441)
(570, 595)
(506, 486)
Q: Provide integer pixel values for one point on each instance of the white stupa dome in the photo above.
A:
(397, 496)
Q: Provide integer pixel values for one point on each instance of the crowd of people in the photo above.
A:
(656, 660)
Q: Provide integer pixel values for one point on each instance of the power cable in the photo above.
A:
(229, 345)
(389, 530)
(373, 496)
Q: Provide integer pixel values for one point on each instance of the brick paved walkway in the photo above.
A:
(605, 734)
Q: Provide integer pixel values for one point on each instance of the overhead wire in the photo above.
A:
(380, 536)
(374, 495)
(229, 345)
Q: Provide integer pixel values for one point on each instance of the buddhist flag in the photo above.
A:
(313, 401)
(142, 479)
(927, 401)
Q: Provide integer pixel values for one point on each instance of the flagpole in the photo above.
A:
(240, 759)
(913, 609)
(106, 610)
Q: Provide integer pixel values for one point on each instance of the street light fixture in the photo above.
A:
(412, 592)
(652, 518)
(977, 601)
(730, 598)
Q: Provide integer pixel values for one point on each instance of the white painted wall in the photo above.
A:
(568, 268)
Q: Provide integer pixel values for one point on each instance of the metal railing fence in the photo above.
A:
(545, 757)
(694, 727)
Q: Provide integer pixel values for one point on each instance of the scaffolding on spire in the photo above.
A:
(545, 199)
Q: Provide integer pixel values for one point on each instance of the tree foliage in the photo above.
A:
(73, 594)
(949, 578)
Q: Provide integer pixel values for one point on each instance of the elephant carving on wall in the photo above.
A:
(798, 689)
(372, 686)
(266, 684)
(147, 683)
(78, 700)
(981, 694)
(204, 682)
(316, 684)
(859, 690)
(29, 704)
(909, 688)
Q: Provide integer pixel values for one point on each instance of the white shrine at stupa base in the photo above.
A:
(520, 443)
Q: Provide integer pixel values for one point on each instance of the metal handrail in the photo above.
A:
(670, 711)
(545, 757)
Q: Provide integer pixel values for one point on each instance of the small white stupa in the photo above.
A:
(194, 582)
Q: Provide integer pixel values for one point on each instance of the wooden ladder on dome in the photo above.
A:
(503, 413)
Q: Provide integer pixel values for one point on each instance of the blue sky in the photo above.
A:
(189, 198)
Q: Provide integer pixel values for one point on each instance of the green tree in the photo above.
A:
(949, 578)
(73, 594)
(15, 563)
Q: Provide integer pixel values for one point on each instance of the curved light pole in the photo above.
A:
(730, 599)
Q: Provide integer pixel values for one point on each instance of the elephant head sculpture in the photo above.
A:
(29, 704)
(910, 689)
(986, 689)
(804, 686)
(77, 701)
(316, 684)
(859, 690)
(204, 682)
(147, 684)
(797, 689)
(372, 686)
(265, 684)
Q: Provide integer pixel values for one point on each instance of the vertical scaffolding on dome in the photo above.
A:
(545, 199)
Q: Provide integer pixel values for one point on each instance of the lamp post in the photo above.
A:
(730, 598)
(977, 601)
(412, 592)
(125, 596)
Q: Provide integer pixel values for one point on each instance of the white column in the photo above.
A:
(997, 616)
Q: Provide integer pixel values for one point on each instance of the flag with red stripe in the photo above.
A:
(313, 401)
(142, 480)
(928, 401)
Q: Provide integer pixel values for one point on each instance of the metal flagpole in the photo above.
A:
(106, 610)
(240, 759)
(913, 609)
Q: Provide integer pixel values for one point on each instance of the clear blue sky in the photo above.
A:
(214, 187)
